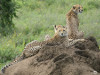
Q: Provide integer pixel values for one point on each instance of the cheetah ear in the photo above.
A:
(66, 27)
(63, 26)
(73, 6)
(54, 26)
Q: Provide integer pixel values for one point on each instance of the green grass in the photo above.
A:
(36, 19)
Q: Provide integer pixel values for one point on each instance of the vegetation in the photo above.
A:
(7, 12)
(36, 19)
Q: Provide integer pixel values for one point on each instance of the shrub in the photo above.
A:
(7, 12)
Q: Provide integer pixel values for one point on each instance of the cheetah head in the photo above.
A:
(60, 30)
(77, 8)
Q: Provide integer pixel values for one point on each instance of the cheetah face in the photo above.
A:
(77, 8)
(60, 30)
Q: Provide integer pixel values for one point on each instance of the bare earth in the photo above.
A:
(83, 58)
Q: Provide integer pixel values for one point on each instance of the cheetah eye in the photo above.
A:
(78, 7)
(56, 28)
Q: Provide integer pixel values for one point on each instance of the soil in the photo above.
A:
(83, 58)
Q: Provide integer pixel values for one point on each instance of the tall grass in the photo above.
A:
(36, 19)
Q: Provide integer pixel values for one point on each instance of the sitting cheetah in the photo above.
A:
(73, 22)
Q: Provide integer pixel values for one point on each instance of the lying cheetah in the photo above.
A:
(33, 48)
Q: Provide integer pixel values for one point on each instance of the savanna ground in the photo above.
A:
(36, 19)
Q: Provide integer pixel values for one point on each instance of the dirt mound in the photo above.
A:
(83, 58)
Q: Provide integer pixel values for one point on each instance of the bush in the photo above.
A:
(7, 12)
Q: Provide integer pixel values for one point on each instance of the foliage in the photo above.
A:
(7, 12)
